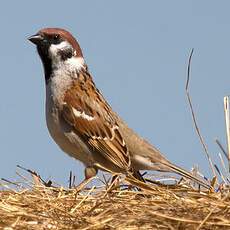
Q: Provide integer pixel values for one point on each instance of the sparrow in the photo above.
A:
(81, 121)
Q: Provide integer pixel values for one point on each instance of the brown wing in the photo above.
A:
(87, 111)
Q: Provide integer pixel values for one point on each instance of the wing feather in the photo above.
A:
(92, 118)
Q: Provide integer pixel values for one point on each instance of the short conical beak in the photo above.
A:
(36, 39)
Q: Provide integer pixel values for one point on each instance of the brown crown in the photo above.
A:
(65, 35)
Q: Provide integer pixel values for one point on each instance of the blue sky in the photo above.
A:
(137, 52)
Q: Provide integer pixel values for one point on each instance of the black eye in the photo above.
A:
(56, 39)
(56, 36)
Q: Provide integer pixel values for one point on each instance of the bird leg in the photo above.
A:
(90, 173)
(138, 176)
(115, 180)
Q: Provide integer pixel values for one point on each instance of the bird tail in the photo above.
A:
(182, 172)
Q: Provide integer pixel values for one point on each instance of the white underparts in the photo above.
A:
(143, 161)
(69, 65)
(82, 115)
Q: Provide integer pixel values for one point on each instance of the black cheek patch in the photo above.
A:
(65, 54)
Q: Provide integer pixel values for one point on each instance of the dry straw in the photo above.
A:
(36, 206)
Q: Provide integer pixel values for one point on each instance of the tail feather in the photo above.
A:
(187, 174)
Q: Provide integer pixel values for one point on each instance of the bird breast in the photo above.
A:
(62, 133)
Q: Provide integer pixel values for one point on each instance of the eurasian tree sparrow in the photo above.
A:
(81, 121)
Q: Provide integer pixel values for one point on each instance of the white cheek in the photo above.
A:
(71, 64)
(75, 63)
(55, 48)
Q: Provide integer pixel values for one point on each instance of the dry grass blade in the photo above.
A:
(83, 199)
(222, 148)
(226, 113)
(211, 212)
(194, 117)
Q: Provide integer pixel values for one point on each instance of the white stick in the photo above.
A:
(226, 113)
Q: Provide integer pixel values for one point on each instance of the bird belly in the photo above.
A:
(65, 137)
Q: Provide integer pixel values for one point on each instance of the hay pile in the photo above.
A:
(152, 207)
